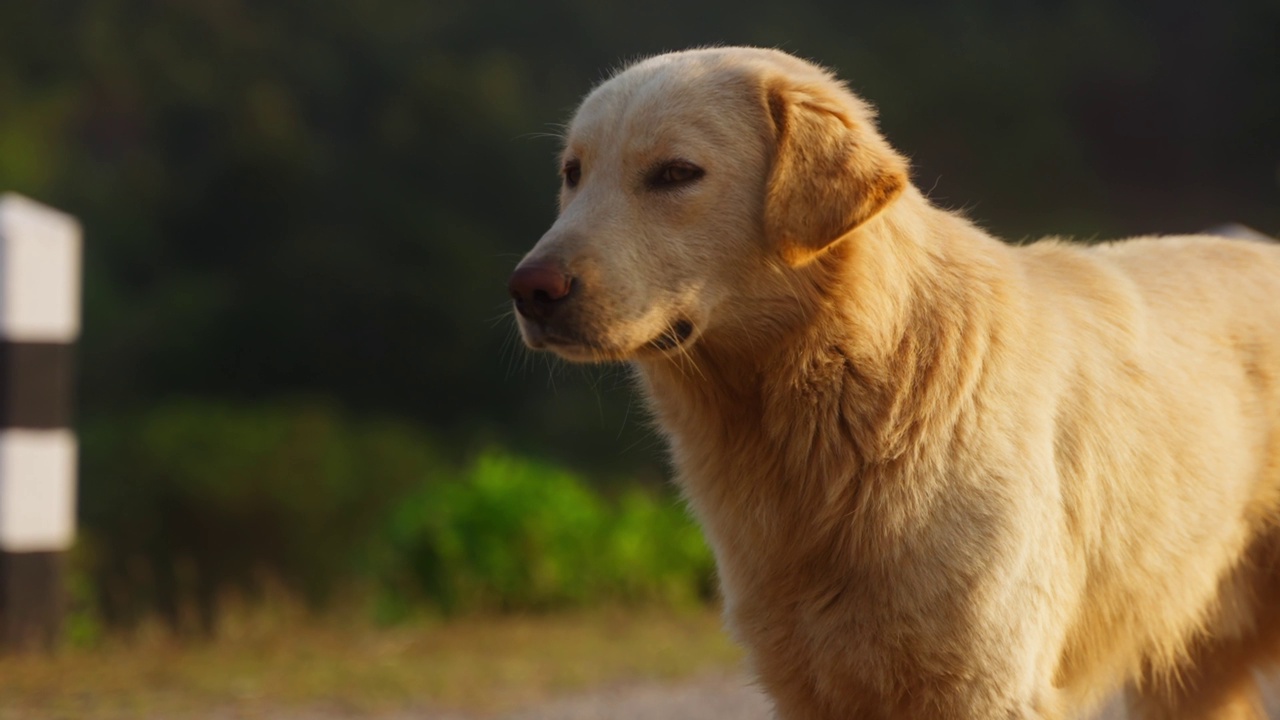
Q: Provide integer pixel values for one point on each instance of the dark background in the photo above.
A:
(321, 200)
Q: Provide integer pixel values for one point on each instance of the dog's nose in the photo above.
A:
(538, 289)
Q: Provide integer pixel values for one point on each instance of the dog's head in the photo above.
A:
(695, 186)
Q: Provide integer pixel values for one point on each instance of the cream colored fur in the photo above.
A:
(943, 477)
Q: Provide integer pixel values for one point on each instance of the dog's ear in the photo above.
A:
(830, 173)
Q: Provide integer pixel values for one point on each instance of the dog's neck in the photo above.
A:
(838, 379)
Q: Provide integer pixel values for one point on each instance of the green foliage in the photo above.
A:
(516, 534)
(82, 624)
(191, 500)
(655, 550)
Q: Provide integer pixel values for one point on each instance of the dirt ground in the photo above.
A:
(721, 697)
(710, 697)
(715, 697)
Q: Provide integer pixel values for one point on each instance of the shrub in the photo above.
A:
(190, 499)
(515, 534)
(187, 501)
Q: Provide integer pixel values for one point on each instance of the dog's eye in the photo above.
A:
(675, 174)
(572, 172)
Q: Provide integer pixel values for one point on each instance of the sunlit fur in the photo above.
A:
(943, 477)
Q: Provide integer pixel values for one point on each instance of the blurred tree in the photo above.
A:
(325, 197)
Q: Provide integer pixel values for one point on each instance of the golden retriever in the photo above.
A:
(943, 477)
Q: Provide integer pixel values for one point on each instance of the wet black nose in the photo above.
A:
(538, 289)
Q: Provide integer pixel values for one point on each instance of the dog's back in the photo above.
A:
(1166, 352)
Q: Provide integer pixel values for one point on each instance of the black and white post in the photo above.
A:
(40, 251)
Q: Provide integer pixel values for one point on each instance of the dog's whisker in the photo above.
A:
(626, 414)
(538, 136)
(506, 316)
(515, 354)
(686, 357)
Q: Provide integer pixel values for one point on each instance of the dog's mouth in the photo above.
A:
(579, 347)
(673, 337)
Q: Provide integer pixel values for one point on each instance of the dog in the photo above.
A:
(942, 476)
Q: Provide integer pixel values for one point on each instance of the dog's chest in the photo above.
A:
(827, 560)
(814, 541)
(834, 542)
(822, 612)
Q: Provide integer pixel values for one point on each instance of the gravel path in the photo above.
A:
(721, 697)
(715, 698)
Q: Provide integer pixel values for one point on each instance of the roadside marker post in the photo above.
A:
(40, 270)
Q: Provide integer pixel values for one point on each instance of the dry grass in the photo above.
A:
(282, 664)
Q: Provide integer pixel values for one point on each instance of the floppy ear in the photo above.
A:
(830, 173)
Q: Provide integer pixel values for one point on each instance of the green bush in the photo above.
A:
(654, 551)
(514, 534)
(187, 501)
